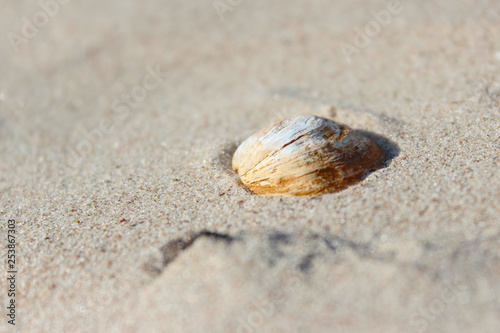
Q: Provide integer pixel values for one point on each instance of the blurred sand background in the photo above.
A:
(105, 166)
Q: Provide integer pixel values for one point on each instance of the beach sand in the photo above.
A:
(118, 121)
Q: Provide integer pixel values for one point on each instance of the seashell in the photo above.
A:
(305, 155)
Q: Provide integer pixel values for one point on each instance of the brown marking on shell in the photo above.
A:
(305, 155)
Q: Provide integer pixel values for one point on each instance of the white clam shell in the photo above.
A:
(305, 155)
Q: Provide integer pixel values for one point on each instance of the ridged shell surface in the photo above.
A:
(305, 155)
